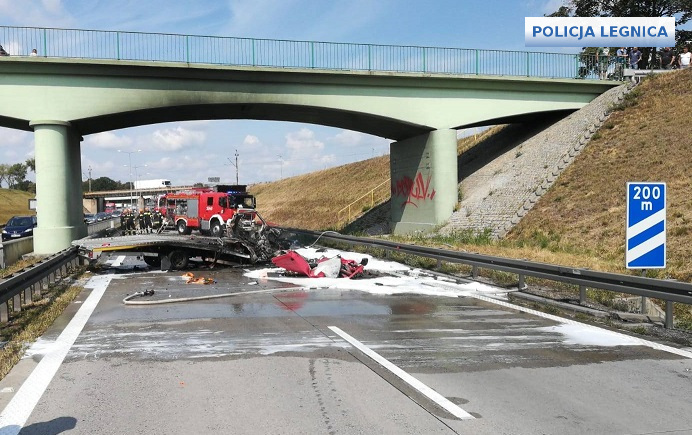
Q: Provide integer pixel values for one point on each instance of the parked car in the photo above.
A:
(19, 226)
(101, 216)
(89, 218)
(116, 213)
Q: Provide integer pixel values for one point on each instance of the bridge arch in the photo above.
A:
(63, 99)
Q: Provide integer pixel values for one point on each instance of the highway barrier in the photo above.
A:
(668, 290)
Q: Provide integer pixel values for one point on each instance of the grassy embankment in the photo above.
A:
(14, 203)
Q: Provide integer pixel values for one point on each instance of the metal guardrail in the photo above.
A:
(668, 290)
(197, 49)
(21, 286)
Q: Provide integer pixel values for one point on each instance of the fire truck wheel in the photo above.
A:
(216, 229)
(179, 259)
(182, 228)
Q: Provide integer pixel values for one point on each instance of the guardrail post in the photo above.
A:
(582, 294)
(17, 303)
(439, 264)
(4, 313)
(474, 271)
(669, 315)
(522, 285)
(27, 294)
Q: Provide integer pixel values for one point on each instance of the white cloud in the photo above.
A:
(108, 140)
(12, 137)
(348, 138)
(251, 141)
(303, 141)
(36, 13)
(175, 139)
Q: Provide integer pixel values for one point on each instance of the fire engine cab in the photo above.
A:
(206, 209)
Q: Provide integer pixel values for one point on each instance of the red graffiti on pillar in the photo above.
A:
(416, 189)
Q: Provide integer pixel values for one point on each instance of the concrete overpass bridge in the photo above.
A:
(62, 96)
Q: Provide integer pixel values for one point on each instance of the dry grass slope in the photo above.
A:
(14, 202)
(649, 140)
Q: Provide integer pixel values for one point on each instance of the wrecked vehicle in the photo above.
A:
(248, 240)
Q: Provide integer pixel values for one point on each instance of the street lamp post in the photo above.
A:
(129, 157)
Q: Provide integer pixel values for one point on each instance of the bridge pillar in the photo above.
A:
(424, 181)
(58, 186)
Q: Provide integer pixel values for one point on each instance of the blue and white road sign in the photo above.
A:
(646, 226)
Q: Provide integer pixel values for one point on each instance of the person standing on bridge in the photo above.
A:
(635, 58)
(667, 58)
(603, 55)
(684, 58)
(34, 53)
(3, 52)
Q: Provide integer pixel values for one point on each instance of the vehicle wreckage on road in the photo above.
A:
(248, 240)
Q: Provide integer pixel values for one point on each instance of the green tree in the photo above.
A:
(16, 174)
(104, 183)
(31, 164)
(680, 9)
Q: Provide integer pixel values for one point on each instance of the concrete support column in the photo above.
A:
(58, 186)
(424, 181)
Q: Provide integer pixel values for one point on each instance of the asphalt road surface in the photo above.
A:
(268, 362)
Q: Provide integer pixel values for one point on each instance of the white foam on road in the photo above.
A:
(417, 281)
(17, 412)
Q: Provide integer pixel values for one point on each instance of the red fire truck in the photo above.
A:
(205, 209)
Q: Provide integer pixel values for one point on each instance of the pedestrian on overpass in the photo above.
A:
(3, 52)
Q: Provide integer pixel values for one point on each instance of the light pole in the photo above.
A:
(281, 167)
(129, 157)
(236, 166)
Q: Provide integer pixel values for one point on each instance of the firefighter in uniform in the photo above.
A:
(122, 221)
(147, 221)
(130, 222)
(158, 220)
(140, 220)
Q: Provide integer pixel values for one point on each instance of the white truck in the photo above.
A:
(152, 184)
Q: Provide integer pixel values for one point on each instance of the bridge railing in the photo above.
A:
(196, 49)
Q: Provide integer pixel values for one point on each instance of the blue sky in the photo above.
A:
(188, 152)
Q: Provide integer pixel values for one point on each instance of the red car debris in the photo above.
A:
(321, 268)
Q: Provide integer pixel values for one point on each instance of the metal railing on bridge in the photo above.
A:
(196, 49)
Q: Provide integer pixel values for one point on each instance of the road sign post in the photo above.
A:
(646, 226)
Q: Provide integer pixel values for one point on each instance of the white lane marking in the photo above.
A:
(641, 341)
(415, 383)
(117, 262)
(17, 412)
